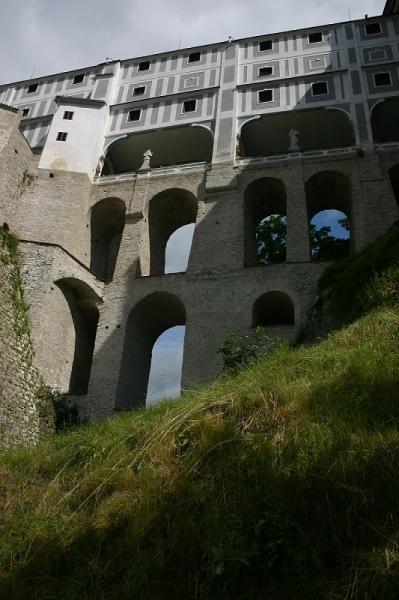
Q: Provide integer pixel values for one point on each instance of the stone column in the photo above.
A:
(298, 244)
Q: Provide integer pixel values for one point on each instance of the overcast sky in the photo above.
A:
(41, 37)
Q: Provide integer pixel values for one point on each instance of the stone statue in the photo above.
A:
(294, 143)
(146, 162)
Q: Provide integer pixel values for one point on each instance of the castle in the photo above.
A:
(99, 166)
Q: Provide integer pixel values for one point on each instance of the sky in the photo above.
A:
(40, 37)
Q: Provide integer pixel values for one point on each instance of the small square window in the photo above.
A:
(194, 57)
(315, 38)
(265, 96)
(265, 71)
(139, 91)
(382, 79)
(68, 115)
(189, 106)
(373, 28)
(25, 112)
(265, 45)
(78, 78)
(62, 136)
(33, 88)
(144, 66)
(134, 115)
(320, 88)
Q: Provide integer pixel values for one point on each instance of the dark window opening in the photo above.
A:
(394, 177)
(33, 88)
(68, 115)
(373, 28)
(273, 308)
(25, 112)
(382, 79)
(62, 136)
(78, 78)
(265, 71)
(144, 66)
(320, 88)
(265, 96)
(107, 224)
(315, 38)
(265, 45)
(189, 106)
(194, 57)
(139, 91)
(134, 115)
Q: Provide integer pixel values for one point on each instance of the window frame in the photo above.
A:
(321, 41)
(68, 115)
(139, 87)
(25, 112)
(259, 101)
(81, 77)
(133, 110)
(313, 83)
(271, 42)
(197, 53)
(32, 88)
(184, 102)
(268, 67)
(62, 136)
(373, 25)
(385, 84)
(382, 50)
(140, 66)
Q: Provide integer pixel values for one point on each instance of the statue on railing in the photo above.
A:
(294, 142)
(146, 162)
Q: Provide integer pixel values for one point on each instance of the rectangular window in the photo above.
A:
(265, 45)
(191, 82)
(78, 78)
(265, 96)
(315, 38)
(317, 63)
(373, 28)
(320, 88)
(189, 106)
(265, 71)
(25, 112)
(194, 57)
(134, 115)
(144, 66)
(139, 91)
(68, 115)
(382, 79)
(377, 55)
(62, 136)
(32, 88)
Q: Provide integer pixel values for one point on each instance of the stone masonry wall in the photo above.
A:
(20, 408)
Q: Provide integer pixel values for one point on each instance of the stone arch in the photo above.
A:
(318, 129)
(385, 122)
(330, 191)
(151, 316)
(170, 146)
(107, 223)
(263, 198)
(394, 178)
(168, 211)
(79, 339)
(273, 308)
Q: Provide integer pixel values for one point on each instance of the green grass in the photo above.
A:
(279, 483)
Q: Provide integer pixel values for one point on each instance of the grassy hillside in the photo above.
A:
(280, 483)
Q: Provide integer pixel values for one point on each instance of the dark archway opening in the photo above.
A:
(394, 178)
(316, 130)
(329, 201)
(107, 224)
(385, 122)
(265, 222)
(82, 304)
(147, 321)
(170, 146)
(168, 211)
(273, 308)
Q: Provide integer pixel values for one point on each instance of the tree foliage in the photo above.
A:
(271, 241)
